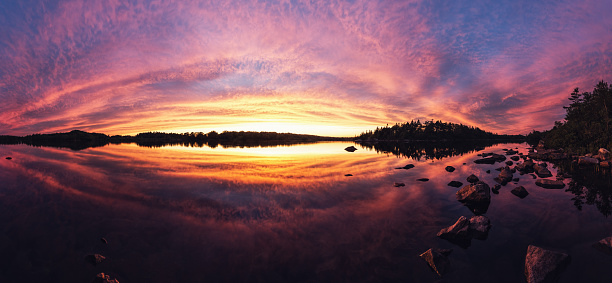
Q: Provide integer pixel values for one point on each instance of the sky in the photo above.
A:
(334, 68)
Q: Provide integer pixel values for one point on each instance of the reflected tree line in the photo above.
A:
(590, 185)
(427, 150)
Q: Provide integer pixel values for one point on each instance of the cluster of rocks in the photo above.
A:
(603, 158)
(97, 259)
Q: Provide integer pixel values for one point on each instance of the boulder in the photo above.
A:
(350, 148)
(526, 167)
(542, 265)
(458, 231)
(515, 158)
(462, 232)
(408, 166)
(584, 160)
(509, 163)
(437, 260)
(455, 184)
(423, 180)
(604, 154)
(397, 185)
(550, 184)
(95, 259)
(504, 176)
(476, 197)
(604, 245)
(479, 227)
(449, 168)
(542, 171)
(520, 192)
(472, 179)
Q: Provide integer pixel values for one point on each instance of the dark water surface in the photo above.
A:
(276, 214)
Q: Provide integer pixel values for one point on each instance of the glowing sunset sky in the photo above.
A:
(319, 67)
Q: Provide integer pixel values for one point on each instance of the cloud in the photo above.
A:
(124, 67)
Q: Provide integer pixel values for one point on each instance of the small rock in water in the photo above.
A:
(423, 180)
(550, 184)
(472, 179)
(348, 175)
(103, 278)
(408, 166)
(509, 163)
(437, 259)
(515, 158)
(520, 192)
(496, 188)
(9, 158)
(604, 245)
(455, 184)
(350, 148)
(488, 171)
(542, 265)
(95, 259)
(449, 168)
(398, 185)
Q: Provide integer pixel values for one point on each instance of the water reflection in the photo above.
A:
(429, 149)
(273, 214)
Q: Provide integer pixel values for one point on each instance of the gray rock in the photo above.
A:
(437, 260)
(520, 192)
(542, 265)
(550, 184)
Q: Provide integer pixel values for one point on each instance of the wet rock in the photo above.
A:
(533, 176)
(509, 163)
(408, 166)
(542, 265)
(449, 168)
(511, 152)
(350, 148)
(103, 278)
(9, 158)
(542, 171)
(476, 197)
(487, 160)
(515, 158)
(459, 230)
(348, 175)
(604, 154)
(462, 232)
(604, 245)
(496, 188)
(437, 259)
(488, 171)
(455, 184)
(95, 259)
(526, 167)
(479, 227)
(397, 185)
(584, 160)
(472, 179)
(504, 176)
(423, 180)
(520, 192)
(550, 184)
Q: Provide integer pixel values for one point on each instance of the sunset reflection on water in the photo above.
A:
(288, 213)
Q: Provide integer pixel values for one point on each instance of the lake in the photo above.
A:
(275, 214)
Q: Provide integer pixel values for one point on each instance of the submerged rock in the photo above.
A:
(423, 180)
(455, 184)
(550, 184)
(604, 245)
(350, 148)
(437, 259)
(449, 168)
(542, 265)
(398, 185)
(520, 192)
(472, 179)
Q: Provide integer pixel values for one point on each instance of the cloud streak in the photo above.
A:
(321, 67)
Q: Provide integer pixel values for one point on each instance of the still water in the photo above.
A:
(273, 214)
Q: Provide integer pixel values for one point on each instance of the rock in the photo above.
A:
(604, 164)
(408, 166)
(476, 197)
(437, 260)
(604, 154)
(95, 259)
(542, 265)
(458, 231)
(350, 148)
(455, 184)
(488, 160)
(397, 185)
(515, 158)
(9, 158)
(550, 184)
(520, 192)
(584, 160)
(348, 175)
(472, 179)
(542, 171)
(604, 245)
(511, 152)
(104, 241)
(533, 176)
(449, 168)
(509, 163)
(479, 227)
(103, 278)
(423, 180)
(526, 167)
(496, 188)
(504, 176)
(488, 171)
